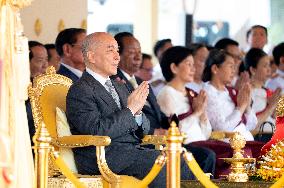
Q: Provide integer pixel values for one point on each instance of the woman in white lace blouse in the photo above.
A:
(178, 69)
(227, 109)
(264, 100)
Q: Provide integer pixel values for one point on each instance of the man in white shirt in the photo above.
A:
(69, 47)
(278, 81)
(257, 37)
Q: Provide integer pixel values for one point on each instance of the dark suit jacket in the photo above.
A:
(92, 111)
(156, 117)
(30, 120)
(66, 72)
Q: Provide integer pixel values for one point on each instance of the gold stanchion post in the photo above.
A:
(42, 148)
(173, 149)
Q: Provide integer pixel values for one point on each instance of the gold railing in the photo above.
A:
(170, 155)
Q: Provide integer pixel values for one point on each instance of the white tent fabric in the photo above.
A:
(13, 93)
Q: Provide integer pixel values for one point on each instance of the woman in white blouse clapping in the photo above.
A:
(178, 69)
(227, 109)
(264, 100)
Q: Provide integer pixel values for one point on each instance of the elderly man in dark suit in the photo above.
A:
(97, 105)
(68, 46)
(130, 62)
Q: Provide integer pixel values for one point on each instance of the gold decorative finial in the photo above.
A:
(50, 70)
(280, 107)
(38, 27)
(238, 170)
(84, 24)
(61, 25)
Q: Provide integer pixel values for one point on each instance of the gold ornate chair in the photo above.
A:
(48, 93)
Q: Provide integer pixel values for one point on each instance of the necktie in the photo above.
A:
(133, 82)
(113, 93)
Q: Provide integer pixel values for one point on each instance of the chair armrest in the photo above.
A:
(219, 135)
(100, 142)
(156, 140)
(74, 141)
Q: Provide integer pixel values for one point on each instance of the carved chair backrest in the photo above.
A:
(48, 92)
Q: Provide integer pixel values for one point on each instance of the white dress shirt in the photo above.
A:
(171, 102)
(224, 116)
(77, 72)
(157, 76)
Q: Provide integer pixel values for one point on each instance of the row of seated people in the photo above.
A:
(227, 109)
(119, 118)
(247, 73)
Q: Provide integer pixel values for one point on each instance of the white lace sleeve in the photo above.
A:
(166, 102)
(222, 113)
(251, 119)
(206, 129)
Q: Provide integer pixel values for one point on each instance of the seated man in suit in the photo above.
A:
(130, 62)
(145, 71)
(38, 63)
(68, 45)
(97, 105)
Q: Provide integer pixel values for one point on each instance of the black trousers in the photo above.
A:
(206, 158)
(142, 166)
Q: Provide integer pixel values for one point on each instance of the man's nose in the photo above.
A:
(138, 56)
(117, 57)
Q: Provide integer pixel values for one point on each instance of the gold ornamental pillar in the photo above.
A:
(42, 148)
(173, 149)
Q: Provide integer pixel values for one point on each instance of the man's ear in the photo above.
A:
(91, 56)
(67, 49)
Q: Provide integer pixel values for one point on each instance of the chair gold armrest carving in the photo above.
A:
(74, 141)
(157, 140)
